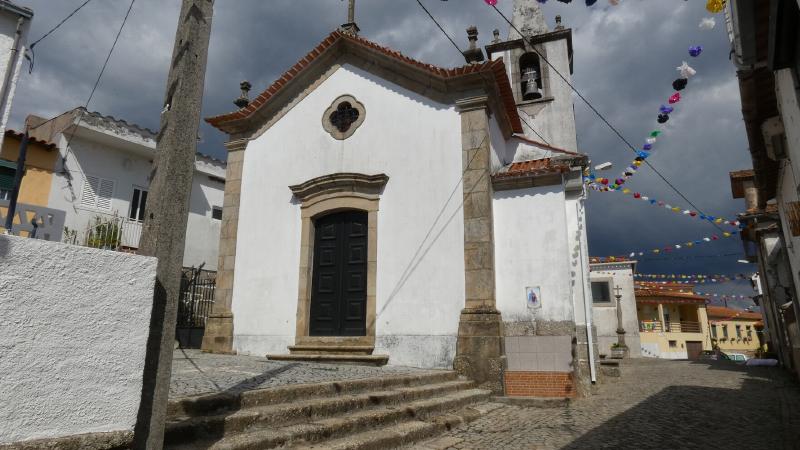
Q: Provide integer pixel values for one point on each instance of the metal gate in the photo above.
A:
(194, 306)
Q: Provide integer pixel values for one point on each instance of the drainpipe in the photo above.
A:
(587, 289)
(11, 67)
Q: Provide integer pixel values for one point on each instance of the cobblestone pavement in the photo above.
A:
(656, 404)
(194, 373)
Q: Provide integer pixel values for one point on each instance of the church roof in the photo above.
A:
(232, 122)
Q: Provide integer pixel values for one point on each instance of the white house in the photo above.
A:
(382, 209)
(609, 278)
(15, 22)
(103, 177)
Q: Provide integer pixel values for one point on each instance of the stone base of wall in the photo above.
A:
(218, 337)
(540, 384)
(479, 348)
(111, 440)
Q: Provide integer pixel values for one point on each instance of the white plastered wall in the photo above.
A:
(605, 315)
(420, 269)
(8, 26)
(532, 249)
(75, 325)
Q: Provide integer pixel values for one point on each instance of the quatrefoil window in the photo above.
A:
(343, 117)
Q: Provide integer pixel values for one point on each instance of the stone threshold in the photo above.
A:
(111, 440)
(355, 359)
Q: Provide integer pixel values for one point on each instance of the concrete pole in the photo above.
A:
(164, 229)
(620, 329)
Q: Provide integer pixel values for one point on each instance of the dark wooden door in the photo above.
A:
(339, 275)
(693, 349)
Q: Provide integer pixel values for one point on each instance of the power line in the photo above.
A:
(534, 130)
(94, 88)
(600, 115)
(58, 25)
(440, 27)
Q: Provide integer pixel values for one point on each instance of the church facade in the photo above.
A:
(380, 209)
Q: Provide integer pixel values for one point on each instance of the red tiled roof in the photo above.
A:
(31, 139)
(496, 68)
(723, 313)
(669, 293)
(535, 167)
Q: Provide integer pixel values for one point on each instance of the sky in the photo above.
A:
(624, 63)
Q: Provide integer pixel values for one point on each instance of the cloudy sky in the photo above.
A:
(624, 61)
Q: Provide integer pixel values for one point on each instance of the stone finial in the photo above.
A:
(496, 34)
(558, 24)
(473, 54)
(528, 19)
(350, 27)
(243, 99)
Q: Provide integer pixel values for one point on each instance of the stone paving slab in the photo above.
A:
(656, 404)
(195, 373)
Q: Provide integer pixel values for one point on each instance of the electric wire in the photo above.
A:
(534, 130)
(598, 113)
(85, 107)
(58, 25)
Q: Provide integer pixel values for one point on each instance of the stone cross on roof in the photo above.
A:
(350, 27)
(527, 18)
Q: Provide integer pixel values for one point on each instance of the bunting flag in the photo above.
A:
(724, 296)
(680, 210)
(674, 276)
(688, 244)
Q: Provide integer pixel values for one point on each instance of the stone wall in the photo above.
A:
(75, 325)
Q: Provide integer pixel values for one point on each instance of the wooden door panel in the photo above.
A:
(339, 274)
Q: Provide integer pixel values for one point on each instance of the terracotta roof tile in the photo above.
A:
(497, 67)
(723, 313)
(534, 167)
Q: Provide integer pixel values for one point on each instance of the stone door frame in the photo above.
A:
(319, 197)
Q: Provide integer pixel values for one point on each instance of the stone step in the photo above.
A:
(307, 349)
(219, 425)
(211, 404)
(353, 423)
(327, 358)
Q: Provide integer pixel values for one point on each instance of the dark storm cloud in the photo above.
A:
(624, 61)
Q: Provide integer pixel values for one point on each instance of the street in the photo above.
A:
(656, 404)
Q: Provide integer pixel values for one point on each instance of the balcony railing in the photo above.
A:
(110, 233)
(655, 326)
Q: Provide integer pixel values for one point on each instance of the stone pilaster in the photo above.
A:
(479, 349)
(218, 337)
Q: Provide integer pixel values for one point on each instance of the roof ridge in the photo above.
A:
(497, 66)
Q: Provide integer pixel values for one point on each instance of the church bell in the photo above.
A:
(531, 90)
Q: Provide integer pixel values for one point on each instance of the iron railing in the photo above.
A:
(655, 326)
(196, 298)
(110, 232)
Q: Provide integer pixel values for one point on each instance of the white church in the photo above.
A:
(379, 210)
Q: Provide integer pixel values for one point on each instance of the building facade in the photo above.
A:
(610, 279)
(410, 213)
(735, 331)
(673, 322)
(101, 182)
(764, 38)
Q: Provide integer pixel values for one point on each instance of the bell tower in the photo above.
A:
(534, 59)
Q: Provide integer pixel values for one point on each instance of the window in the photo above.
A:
(216, 213)
(138, 203)
(749, 332)
(8, 171)
(601, 292)
(738, 331)
(97, 193)
(343, 117)
(724, 331)
(673, 344)
(713, 331)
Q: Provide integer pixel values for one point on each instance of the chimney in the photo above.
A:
(243, 99)
(558, 24)
(474, 54)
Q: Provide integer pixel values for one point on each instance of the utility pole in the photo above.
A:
(12, 204)
(167, 209)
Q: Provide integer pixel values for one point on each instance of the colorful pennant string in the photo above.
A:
(691, 278)
(688, 244)
(678, 210)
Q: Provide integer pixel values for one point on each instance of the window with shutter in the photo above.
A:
(97, 193)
